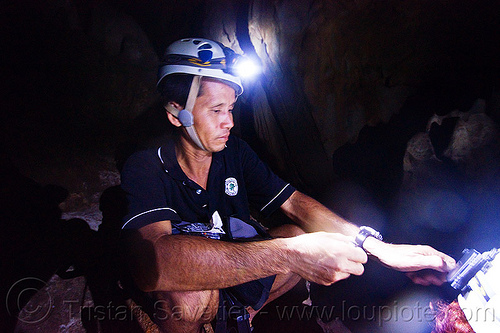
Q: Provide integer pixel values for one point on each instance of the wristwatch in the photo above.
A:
(364, 233)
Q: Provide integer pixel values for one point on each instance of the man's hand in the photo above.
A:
(424, 264)
(325, 258)
(427, 277)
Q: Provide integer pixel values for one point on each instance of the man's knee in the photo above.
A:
(285, 231)
(185, 307)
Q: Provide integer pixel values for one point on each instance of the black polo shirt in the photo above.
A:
(158, 189)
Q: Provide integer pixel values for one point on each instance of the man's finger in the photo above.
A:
(430, 262)
(449, 262)
(340, 276)
(357, 269)
(357, 255)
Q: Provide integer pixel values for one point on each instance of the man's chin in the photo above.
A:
(218, 146)
(218, 149)
(215, 148)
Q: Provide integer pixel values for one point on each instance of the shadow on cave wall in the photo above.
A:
(37, 247)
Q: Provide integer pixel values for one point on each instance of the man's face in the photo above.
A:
(212, 114)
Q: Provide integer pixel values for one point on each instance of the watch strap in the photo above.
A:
(364, 233)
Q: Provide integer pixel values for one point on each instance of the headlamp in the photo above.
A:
(239, 65)
(246, 68)
(234, 64)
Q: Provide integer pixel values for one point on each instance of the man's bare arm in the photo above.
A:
(160, 261)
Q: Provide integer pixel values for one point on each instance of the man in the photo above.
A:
(192, 243)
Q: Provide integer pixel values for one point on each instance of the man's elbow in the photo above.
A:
(140, 259)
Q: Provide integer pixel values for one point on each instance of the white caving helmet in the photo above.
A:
(478, 277)
(203, 57)
(199, 57)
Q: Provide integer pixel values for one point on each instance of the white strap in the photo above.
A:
(194, 136)
(193, 93)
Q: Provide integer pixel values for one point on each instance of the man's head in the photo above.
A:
(211, 114)
(195, 69)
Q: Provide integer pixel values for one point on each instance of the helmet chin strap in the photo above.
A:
(185, 116)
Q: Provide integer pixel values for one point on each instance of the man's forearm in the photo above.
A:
(196, 263)
(191, 263)
(312, 216)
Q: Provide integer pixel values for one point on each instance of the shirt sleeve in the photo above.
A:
(141, 179)
(266, 191)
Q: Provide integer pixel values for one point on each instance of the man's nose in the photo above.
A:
(227, 121)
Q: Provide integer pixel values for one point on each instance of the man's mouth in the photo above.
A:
(224, 137)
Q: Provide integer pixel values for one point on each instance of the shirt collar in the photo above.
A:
(166, 154)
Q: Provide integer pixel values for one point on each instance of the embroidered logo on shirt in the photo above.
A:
(231, 186)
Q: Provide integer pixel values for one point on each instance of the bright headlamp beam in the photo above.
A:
(246, 68)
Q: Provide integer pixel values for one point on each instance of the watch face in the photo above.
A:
(373, 232)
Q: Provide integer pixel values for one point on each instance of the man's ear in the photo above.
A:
(174, 120)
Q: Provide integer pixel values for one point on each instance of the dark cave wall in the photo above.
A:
(330, 68)
(346, 95)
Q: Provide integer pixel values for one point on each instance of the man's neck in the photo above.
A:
(194, 162)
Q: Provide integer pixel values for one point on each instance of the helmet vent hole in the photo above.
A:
(205, 55)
